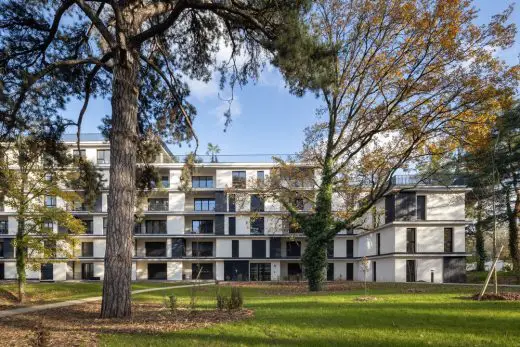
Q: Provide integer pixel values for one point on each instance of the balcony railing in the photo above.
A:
(437, 180)
(154, 207)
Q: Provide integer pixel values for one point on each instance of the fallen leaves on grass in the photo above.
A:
(365, 298)
(283, 288)
(507, 296)
(80, 325)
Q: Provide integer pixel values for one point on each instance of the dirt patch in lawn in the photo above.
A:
(80, 325)
(507, 296)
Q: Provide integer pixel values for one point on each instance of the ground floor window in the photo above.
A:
(294, 271)
(87, 271)
(350, 271)
(202, 271)
(47, 272)
(157, 271)
(410, 271)
(260, 271)
(2, 271)
(330, 272)
(236, 270)
(374, 271)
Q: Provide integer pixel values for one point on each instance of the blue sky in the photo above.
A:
(266, 117)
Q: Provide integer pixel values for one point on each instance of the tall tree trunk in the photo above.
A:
(21, 256)
(121, 200)
(512, 217)
(479, 241)
(315, 256)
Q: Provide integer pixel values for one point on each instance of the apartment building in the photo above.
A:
(416, 233)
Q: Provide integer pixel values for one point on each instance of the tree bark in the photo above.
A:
(121, 200)
(479, 241)
(513, 230)
(315, 256)
(21, 255)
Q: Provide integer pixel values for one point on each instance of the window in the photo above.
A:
(232, 226)
(234, 248)
(79, 153)
(350, 248)
(330, 249)
(105, 225)
(378, 243)
(257, 226)
(165, 181)
(232, 203)
(410, 271)
(202, 271)
(50, 246)
(48, 176)
(178, 248)
(260, 176)
(258, 248)
(202, 249)
(103, 156)
(50, 201)
(157, 204)
(299, 204)
(421, 207)
(2, 249)
(260, 271)
(202, 227)
(374, 271)
(202, 182)
(157, 271)
(155, 226)
(330, 272)
(204, 204)
(89, 229)
(239, 179)
(410, 240)
(87, 271)
(405, 206)
(155, 249)
(257, 203)
(448, 240)
(350, 272)
(87, 249)
(293, 248)
(3, 227)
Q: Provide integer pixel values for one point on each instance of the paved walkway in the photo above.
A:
(36, 308)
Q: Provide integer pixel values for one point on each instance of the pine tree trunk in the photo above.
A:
(315, 256)
(513, 231)
(121, 200)
(21, 261)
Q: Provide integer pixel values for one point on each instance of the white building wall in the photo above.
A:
(219, 270)
(223, 178)
(59, 271)
(340, 248)
(244, 249)
(99, 248)
(385, 270)
(445, 206)
(275, 271)
(97, 225)
(174, 271)
(176, 201)
(242, 225)
(424, 267)
(10, 270)
(429, 239)
(175, 178)
(134, 271)
(459, 239)
(340, 270)
(104, 202)
(175, 225)
(142, 271)
(12, 225)
(224, 248)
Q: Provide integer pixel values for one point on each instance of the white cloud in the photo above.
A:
(223, 106)
(203, 90)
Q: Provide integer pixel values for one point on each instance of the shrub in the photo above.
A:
(222, 302)
(171, 302)
(41, 336)
(236, 300)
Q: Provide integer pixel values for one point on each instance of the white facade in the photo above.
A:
(183, 236)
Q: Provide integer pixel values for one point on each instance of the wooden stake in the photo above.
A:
(493, 267)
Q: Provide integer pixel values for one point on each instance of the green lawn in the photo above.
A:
(41, 292)
(438, 316)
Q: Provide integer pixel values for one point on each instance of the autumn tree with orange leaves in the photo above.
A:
(403, 82)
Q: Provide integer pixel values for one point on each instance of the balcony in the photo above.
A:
(437, 180)
(158, 206)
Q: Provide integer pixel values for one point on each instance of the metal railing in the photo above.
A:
(437, 180)
(158, 206)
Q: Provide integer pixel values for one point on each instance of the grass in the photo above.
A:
(502, 276)
(437, 315)
(41, 292)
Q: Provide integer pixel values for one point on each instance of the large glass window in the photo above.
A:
(202, 182)
(165, 181)
(155, 226)
(260, 271)
(421, 207)
(105, 225)
(330, 249)
(50, 201)
(202, 227)
(202, 271)
(103, 156)
(239, 179)
(87, 271)
(3, 227)
(87, 249)
(448, 240)
(202, 249)
(260, 176)
(378, 242)
(293, 248)
(204, 204)
(257, 225)
(2, 249)
(410, 240)
(155, 249)
(350, 248)
(89, 229)
(232, 203)
(257, 203)
(410, 271)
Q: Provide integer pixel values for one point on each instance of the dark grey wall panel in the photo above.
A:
(219, 225)
(454, 270)
(275, 247)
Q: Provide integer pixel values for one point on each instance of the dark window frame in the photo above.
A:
(202, 182)
(350, 250)
(104, 158)
(421, 207)
(203, 224)
(411, 242)
(411, 271)
(4, 227)
(239, 179)
(235, 248)
(87, 249)
(448, 242)
(156, 226)
(204, 204)
(378, 243)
